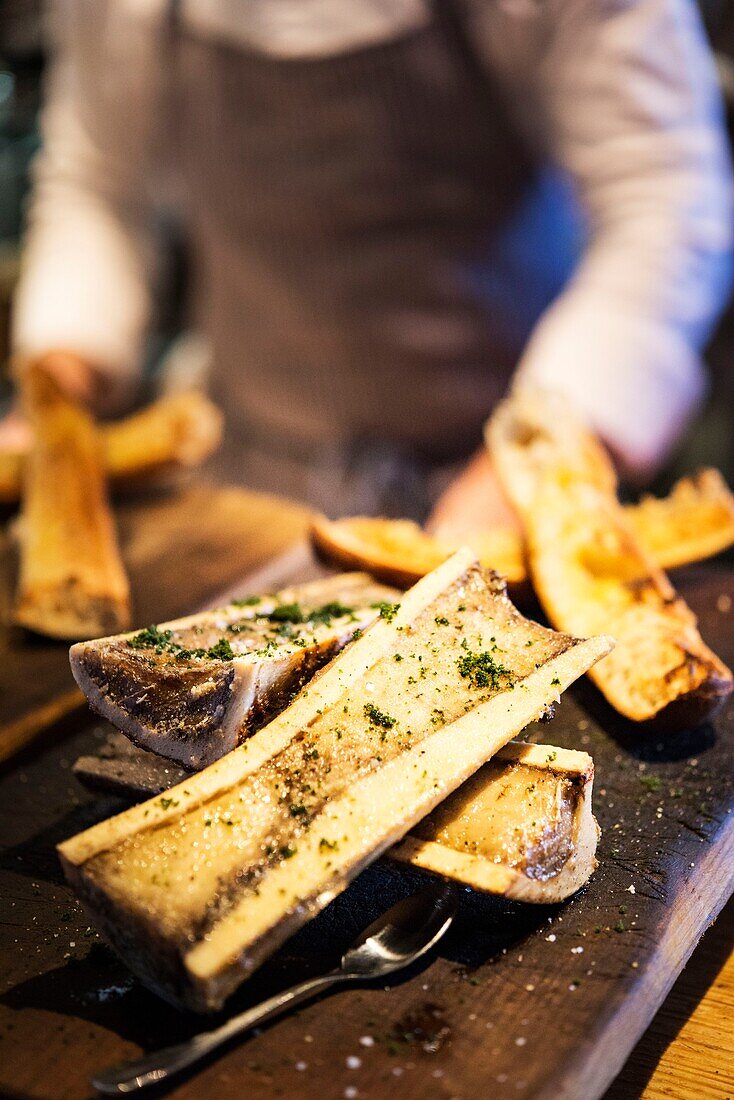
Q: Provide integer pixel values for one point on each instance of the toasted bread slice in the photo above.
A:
(399, 552)
(521, 827)
(72, 583)
(589, 568)
(694, 522)
(174, 433)
(197, 887)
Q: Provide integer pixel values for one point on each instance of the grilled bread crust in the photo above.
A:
(590, 569)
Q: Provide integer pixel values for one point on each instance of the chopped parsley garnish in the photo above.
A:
(166, 803)
(327, 845)
(378, 717)
(388, 611)
(298, 810)
(293, 613)
(441, 620)
(161, 641)
(221, 651)
(481, 668)
(287, 613)
(329, 611)
(249, 601)
(150, 638)
(286, 851)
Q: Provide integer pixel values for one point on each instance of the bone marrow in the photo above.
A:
(522, 826)
(192, 689)
(197, 887)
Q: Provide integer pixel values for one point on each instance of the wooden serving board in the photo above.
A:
(519, 1001)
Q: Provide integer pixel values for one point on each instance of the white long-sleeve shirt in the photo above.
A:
(620, 94)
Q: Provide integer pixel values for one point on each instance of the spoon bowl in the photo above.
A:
(401, 935)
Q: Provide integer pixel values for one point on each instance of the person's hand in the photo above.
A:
(15, 434)
(76, 378)
(473, 502)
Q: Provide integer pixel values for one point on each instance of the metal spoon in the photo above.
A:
(395, 940)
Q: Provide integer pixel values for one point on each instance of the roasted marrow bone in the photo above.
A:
(197, 887)
(176, 432)
(590, 569)
(521, 827)
(192, 689)
(72, 583)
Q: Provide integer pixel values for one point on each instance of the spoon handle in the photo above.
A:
(154, 1068)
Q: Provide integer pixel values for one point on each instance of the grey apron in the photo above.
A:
(337, 207)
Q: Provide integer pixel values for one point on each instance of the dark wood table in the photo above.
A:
(67, 1006)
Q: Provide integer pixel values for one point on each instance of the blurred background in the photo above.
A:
(710, 442)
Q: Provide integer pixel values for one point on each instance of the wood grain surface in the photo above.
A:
(688, 1050)
(519, 1001)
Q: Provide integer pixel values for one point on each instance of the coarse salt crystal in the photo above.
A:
(551, 938)
(367, 1041)
(353, 1062)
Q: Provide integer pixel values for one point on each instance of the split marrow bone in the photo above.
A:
(521, 827)
(72, 583)
(193, 689)
(196, 888)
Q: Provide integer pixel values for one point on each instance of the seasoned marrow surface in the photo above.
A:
(193, 689)
(194, 867)
(516, 815)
